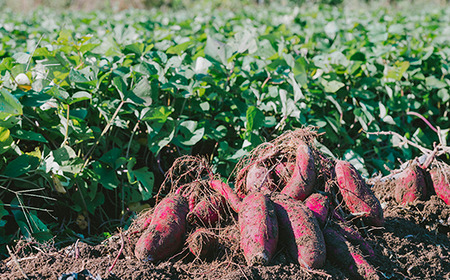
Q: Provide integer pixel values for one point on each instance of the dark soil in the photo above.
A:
(413, 244)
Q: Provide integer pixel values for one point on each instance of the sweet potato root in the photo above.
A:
(284, 170)
(319, 205)
(441, 182)
(202, 243)
(258, 227)
(354, 238)
(301, 183)
(259, 179)
(208, 211)
(357, 196)
(349, 257)
(228, 193)
(410, 185)
(166, 231)
(300, 232)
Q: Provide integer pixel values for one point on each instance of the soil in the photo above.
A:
(413, 244)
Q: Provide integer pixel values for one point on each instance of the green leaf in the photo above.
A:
(3, 211)
(21, 165)
(121, 87)
(433, 82)
(158, 114)
(5, 140)
(29, 223)
(21, 58)
(217, 50)
(146, 179)
(444, 95)
(189, 133)
(396, 72)
(332, 86)
(64, 154)
(180, 48)
(106, 174)
(255, 118)
(143, 90)
(9, 105)
(80, 96)
(29, 135)
(159, 139)
(300, 72)
(77, 76)
(111, 157)
(136, 48)
(265, 50)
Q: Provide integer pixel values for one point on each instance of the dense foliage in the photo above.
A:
(115, 98)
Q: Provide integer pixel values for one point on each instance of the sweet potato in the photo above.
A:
(284, 171)
(202, 243)
(357, 196)
(349, 257)
(301, 183)
(319, 205)
(300, 232)
(259, 179)
(165, 233)
(225, 190)
(258, 227)
(208, 211)
(441, 183)
(354, 238)
(410, 185)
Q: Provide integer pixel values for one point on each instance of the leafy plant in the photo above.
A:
(114, 99)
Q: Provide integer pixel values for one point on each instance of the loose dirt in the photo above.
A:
(413, 244)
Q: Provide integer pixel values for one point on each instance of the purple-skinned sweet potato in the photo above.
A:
(410, 185)
(227, 192)
(303, 179)
(208, 211)
(354, 238)
(348, 256)
(166, 232)
(441, 182)
(259, 179)
(357, 196)
(202, 243)
(258, 227)
(319, 205)
(300, 232)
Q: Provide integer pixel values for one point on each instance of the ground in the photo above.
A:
(413, 244)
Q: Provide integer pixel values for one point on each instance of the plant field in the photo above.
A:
(95, 107)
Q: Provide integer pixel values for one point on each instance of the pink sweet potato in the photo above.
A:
(284, 170)
(357, 196)
(300, 232)
(349, 257)
(203, 243)
(259, 179)
(225, 190)
(208, 211)
(354, 238)
(301, 183)
(258, 227)
(410, 185)
(441, 183)
(166, 231)
(319, 205)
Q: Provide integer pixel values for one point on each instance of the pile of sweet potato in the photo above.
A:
(285, 197)
(418, 179)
